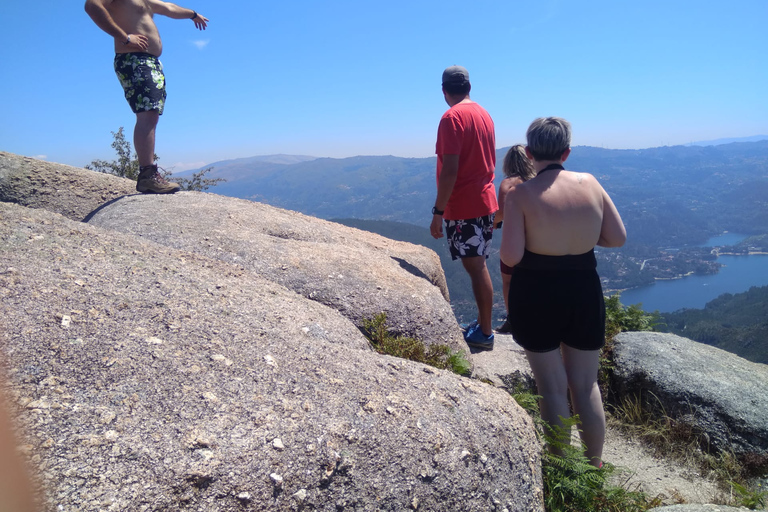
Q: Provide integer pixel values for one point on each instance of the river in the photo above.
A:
(738, 274)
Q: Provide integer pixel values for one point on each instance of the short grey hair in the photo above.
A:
(548, 138)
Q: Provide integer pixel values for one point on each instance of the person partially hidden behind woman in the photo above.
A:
(552, 224)
(517, 169)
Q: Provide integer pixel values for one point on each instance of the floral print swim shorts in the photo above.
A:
(470, 237)
(142, 78)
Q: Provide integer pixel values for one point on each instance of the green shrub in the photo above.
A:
(620, 318)
(439, 356)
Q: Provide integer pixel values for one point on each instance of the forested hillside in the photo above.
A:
(737, 323)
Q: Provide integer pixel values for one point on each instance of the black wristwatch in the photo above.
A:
(435, 211)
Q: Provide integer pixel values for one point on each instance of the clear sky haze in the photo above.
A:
(343, 78)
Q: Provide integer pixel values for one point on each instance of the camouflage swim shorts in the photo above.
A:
(143, 81)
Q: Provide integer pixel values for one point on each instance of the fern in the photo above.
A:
(572, 484)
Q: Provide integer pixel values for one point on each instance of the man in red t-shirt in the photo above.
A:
(466, 195)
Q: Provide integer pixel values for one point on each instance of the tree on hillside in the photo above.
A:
(127, 166)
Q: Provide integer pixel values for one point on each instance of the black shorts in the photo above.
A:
(557, 299)
(143, 81)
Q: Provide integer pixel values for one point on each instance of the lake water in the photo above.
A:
(738, 275)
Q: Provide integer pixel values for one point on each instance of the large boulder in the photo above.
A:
(355, 272)
(716, 392)
(70, 191)
(157, 379)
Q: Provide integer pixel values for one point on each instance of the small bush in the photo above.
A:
(620, 318)
(439, 356)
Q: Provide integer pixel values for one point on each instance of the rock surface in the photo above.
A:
(713, 391)
(505, 366)
(359, 274)
(70, 191)
(181, 365)
(157, 379)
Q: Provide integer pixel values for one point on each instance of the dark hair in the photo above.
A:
(456, 89)
(548, 138)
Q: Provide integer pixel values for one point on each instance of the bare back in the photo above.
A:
(505, 186)
(563, 213)
(557, 213)
(135, 17)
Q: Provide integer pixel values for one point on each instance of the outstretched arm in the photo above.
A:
(97, 10)
(178, 13)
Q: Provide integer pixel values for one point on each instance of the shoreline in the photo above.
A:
(681, 276)
(750, 253)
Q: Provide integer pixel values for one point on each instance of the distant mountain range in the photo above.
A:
(717, 142)
(668, 196)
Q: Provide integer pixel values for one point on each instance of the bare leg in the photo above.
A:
(505, 280)
(482, 287)
(552, 385)
(144, 136)
(581, 367)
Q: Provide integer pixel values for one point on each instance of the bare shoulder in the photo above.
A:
(508, 184)
(521, 189)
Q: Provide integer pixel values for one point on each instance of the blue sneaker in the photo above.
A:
(476, 339)
(467, 327)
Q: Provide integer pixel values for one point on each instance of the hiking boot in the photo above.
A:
(466, 327)
(504, 328)
(476, 339)
(150, 181)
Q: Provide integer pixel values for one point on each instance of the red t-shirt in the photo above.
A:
(466, 129)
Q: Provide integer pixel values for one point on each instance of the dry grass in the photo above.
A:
(675, 440)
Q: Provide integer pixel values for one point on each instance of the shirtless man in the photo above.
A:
(138, 48)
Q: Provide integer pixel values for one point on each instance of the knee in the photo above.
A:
(551, 388)
(475, 265)
(583, 391)
(147, 120)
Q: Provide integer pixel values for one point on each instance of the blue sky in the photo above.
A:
(343, 78)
